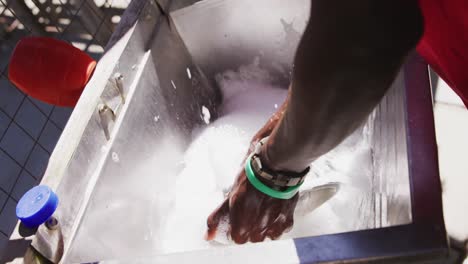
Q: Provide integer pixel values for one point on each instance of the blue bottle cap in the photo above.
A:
(36, 206)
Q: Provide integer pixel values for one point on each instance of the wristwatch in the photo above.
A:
(271, 177)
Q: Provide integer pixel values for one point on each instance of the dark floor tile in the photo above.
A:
(31, 119)
(10, 97)
(37, 162)
(8, 217)
(50, 136)
(60, 116)
(24, 184)
(45, 107)
(9, 172)
(4, 122)
(17, 143)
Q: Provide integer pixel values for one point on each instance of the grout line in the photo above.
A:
(3, 134)
(36, 142)
(14, 185)
(49, 116)
(6, 153)
(42, 131)
(24, 130)
(60, 34)
(13, 198)
(3, 207)
(3, 233)
(55, 124)
(27, 159)
(14, 115)
(3, 73)
(32, 102)
(8, 196)
(32, 174)
(23, 167)
(26, 169)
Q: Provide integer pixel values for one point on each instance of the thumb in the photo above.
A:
(214, 219)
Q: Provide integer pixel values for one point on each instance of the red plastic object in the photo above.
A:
(50, 70)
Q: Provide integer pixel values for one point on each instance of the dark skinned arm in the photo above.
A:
(348, 57)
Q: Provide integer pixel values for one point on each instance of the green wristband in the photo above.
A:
(285, 195)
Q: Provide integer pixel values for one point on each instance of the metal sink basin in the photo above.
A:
(131, 111)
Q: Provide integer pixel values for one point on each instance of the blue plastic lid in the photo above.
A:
(36, 206)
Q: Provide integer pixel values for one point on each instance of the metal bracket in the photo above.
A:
(118, 78)
(107, 117)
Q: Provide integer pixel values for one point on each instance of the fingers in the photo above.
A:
(275, 233)
(252, 215)
(288, 225)
(241, 224)
(284, 220)
(258, 234)
(264, 222)
(258, 237)
(238, 236)
(276, 229)
(271, 219)
(214, 219)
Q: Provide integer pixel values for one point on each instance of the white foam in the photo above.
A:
(214, 159)
(115, 157)
(189, 74)
(206, 115)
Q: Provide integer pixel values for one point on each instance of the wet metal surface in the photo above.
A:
(163, 104)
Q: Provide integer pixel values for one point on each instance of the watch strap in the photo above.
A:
(275, 178)
(288, 193)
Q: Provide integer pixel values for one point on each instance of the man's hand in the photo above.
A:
(252, 215)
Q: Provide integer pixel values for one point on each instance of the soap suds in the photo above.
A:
(215, 157)
(115, 157)
(189, 74)
(206, 115)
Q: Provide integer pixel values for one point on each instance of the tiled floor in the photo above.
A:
(29, 134)
(29, 129)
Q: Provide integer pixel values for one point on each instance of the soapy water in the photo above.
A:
(166, 208)
(214, 159)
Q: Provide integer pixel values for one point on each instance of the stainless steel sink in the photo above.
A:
(130, 111)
